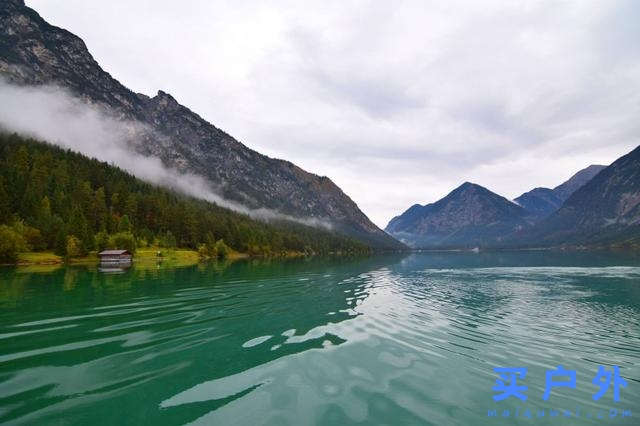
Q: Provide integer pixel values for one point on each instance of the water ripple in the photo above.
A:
(381, 340)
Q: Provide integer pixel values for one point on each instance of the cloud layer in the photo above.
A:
(53, 115)
(397, 102)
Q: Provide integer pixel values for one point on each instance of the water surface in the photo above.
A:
(381, 340)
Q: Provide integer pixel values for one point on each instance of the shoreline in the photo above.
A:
(186, 257)
(173, 257)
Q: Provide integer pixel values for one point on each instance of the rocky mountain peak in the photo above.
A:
(541, 202)
(468, 186)
(605, 208)
(33, 52)
(469, 216)
(165, 99)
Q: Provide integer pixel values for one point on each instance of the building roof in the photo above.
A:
(113, 252)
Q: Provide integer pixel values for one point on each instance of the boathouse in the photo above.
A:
(115, 256)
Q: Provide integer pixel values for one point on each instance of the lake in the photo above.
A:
(398, 340)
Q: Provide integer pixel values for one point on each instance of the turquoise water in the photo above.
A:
(395, 340)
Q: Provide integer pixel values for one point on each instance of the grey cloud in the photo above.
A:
(396, 102)
(51, 114)
(374, 93)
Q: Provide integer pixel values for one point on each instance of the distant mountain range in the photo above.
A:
(575, 182)
(468, 216)
(541, 202)
(35, 53)
(598, 206)
(604, 211)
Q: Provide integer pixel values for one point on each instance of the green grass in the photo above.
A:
(142, 256)
(39, 258)
(49, 258)
(172, 257)
(90, 258)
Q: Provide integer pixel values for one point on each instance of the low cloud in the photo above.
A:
(397, 102)
(51, 114)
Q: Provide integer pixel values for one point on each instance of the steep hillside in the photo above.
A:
(541, 202)
(564, 190)
(48, 194)
(605, 210)
(33, 52)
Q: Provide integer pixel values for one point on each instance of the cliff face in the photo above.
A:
(33, 52)
(469, 216)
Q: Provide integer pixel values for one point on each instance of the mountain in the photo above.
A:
(541, 202)
(33, 52)
(603, 211)
(48, 194)
(469, 216)
(564, 190)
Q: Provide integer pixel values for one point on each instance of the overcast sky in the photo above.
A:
(397, 102)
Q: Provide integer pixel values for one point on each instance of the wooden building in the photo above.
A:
(115, 256)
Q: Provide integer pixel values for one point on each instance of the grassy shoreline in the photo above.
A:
(142, 256)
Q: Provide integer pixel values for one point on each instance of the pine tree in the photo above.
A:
(5, 202)
(125, 224)
(99, 211)
(131, 208)
(60, 193)
(44, 221)
(79, 227)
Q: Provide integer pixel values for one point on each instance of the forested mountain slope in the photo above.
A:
(603, 211)
(35, 53)
(50, 194)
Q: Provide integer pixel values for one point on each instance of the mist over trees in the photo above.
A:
(56, 199)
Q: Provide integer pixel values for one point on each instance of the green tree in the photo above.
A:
(31, 236)
(5, 202)
(203, 251)
(60, 174)
(125, 224)
(123, 241)
(208, 250)
(44, 222)
(101, 241)
(131, 207)
(85, 197)
(20, 161)
(73, 247)
(62, 193)
(79, 227)
(222, 249)
(168, 240)
(11, 244)
(115, 202)
(147, 235)
(99, 210)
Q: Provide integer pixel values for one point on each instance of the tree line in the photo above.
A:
(56, 199)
